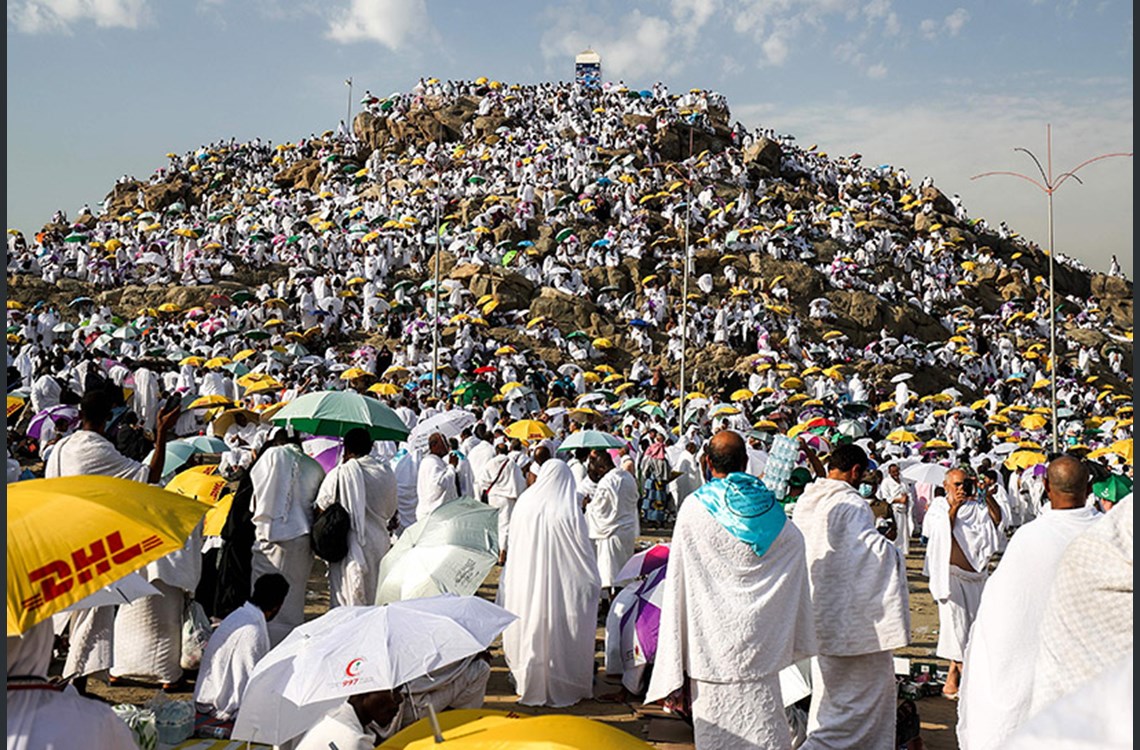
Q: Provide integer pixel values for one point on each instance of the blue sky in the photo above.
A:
(101, 88)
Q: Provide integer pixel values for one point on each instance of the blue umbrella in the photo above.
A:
(526, 243)
(601, 243)
(590, 439)
(604, 181)
(639, 323)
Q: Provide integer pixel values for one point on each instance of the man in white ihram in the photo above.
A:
(736, 607)
(861, 609)
(285, 483)
(964, 533)
(366, 488)
(503, 481)
(436, 482)
(999, 667)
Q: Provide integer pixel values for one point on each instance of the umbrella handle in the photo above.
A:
(435, 729)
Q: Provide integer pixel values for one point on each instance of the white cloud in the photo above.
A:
(775, 50)
(878, 70)
(956, 138)
(636, 46)
(952, 25)
(956, 20)
(392, 23)
(47, 16)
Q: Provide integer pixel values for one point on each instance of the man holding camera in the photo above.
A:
(964, 532)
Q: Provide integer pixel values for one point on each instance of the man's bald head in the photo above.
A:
(1067, 483)
(437, 444)
(727, 453)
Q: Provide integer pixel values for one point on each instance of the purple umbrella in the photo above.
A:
(326, 450)
(62, 411)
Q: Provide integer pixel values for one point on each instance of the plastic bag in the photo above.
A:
(195, 633)
(174, 720)
(141, 722)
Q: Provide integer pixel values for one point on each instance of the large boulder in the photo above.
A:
(764, 154)
(370, 130)
(569, 312)
(512, 289)
(301, 175)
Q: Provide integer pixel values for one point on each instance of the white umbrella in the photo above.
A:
(901, 377)
(569, 369)
(450, 551)
(380, 648)
(449, 423)
(851, 428)
(1004, 449)
(925, 473)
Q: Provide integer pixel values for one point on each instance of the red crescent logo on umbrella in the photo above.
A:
(353, 668)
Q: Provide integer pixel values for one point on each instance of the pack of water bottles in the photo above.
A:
(782, 458)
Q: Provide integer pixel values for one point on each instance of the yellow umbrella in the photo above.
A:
(885, 406)
(603, 343)
(244, 354)
(529, 429)
(169, 307)
(215, 363)
(1034, 421)
(502, 351)
(608, 369)
(791, 383)
(15, 403)
(274, 322)
(471, 729)
(766, 424)
(938, 444)
(224, 419)
(353, 373)
(15, 305)
(209, 402)
(1023, 459)
(624, 387)
(396, 371)
(902, 436)
(615, 378)
(192, 361)
(797, 429)
(70, 537)
(384, 389)
(1123, 448)
(200, 483)
(726, 411)
(264, 386)
(490, 307)
(275, 302)
(508, 387)
(591, 377)
(252, 378)
(742, 394)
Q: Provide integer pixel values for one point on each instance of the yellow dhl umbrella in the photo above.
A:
(797, 429)
(244, 354)
(615, 378)
(70, 537)
(529, 429)
(608, 369)
(252, 378)
(603, 343)
(508, 387)
(215, 363)
(264, 386)
(766, 424)
(272, 322)
(981, 403)
(535, 321)
(1122, 448)
(15, 305)
(469, 729)
(813, 370)
(169, 307)
(885, 406)
(902, 436)
(938, 445)
(791, 383)
(726, 411)
(353, 373)
(275, 302)
(591, 377)
(1023, 459)
(192, 361)
(15, 403)
(742, 394)
(1034, 422)
(624, 387)
(384, 389)
(490, 307)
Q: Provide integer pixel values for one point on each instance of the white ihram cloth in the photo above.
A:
(1095, 716)
(503, 481)
(612, 520)
(82, 453)
(285, 484)
(406, 469)
(1000, 662)
(861, 611)
(891, 490)
(551, 582)
(232, 652)
(958, 592)
(1088, 618)
(435, 485)
(366, 488)
(478, 455)
(339, 728)
(730, 621)
(148, 631)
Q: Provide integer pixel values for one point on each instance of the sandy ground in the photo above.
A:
(938, 715)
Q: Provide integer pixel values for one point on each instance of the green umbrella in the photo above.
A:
(76, 237)
(179, 451)
(564, 234)
(509, 256)
(1113, 488)
(293, 239)
(334, 413)
(257, 335)
(476, 179)
(577, 335)
(241, 297)
(476, 391)
(591, 439)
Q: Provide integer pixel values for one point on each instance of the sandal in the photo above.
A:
(950, 695)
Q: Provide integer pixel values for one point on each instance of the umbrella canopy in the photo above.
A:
(529, 429)
(505, 732)
(70, 537)
(591, 439)
(450, 551)
(1023, 459)
(66, 412)
(924, 473)
(327, 451)
(179, 451)
(1113, 488)
(475, 391)
(334, 413)
(449, 424)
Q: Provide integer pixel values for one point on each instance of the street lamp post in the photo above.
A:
(1049, 185)
(685, 284)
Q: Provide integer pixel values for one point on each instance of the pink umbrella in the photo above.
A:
(643, 563)
(62, 411)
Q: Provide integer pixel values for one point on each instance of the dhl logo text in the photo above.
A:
(60, 576)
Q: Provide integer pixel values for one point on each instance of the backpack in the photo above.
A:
(330, 532)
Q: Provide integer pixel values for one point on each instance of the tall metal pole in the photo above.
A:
(1049, 186)
(685, 288)
(348, 119)
(435, 297)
